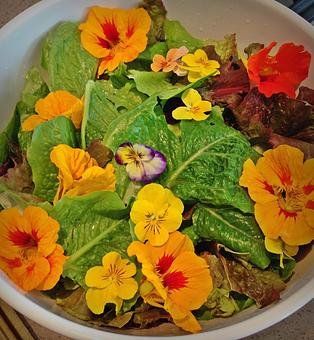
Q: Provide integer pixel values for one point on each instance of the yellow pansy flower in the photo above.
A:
(199, 66)
(195, 107)
(110, 283)
(156, 213)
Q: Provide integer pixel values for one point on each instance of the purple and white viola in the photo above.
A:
(143, 163)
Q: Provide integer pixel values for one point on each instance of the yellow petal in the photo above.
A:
(290, 250)
(181, 113)
(154, 193)
(204, 106)
(97, 299)
(191, 97)
(127, 289)
(140, 210)
(174, 201)
(200, 55)
(194, 76)
(95, 277)
(199, 116)
(172, 219)
(274, 246)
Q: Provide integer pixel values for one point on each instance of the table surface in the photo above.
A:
(299, 325)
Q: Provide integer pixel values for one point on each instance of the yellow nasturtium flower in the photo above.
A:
(79, 173)
(281, 248)
(59, 103)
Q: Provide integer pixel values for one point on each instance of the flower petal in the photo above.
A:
(96, 277)
(176, 53)
(127, 289)
(181, 113)
(141, 210)
(153, 192)
(31, 122)
(191, 97)
(158, 63)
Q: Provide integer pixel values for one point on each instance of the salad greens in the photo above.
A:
(125, 107)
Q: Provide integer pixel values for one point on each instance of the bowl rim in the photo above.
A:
(39, 314)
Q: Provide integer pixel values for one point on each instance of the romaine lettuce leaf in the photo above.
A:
(104, 104)
(35, 88)
(204, 164)
(68, 64)
(235, 230)
(177, 36)
(91, 226)
(47, 135)
(9, 136)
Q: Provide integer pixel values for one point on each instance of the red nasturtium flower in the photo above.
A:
(115, 35)
(282, 72)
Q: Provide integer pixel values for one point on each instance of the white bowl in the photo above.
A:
(253, 21)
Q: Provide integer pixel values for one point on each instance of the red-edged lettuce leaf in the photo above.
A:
(307, 148)
(228, 88)
(306, 94)
(262, 286)
(258, 116)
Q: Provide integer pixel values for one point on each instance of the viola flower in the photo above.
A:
(171, 62)
(282, 72)
(195, 107)
(115, 35)
(178, 280)
(143, 164)
(79, 173)
(59, 103)
(281, 248)
(110, 283)
(29, 254)
(283, 188)
(156, 213)
(199, 66)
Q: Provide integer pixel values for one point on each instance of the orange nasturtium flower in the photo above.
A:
(282, 72)
(199, 66)
(177, 279)
(59, 103)
(156, 213)
(194, 108)
(282, 187)
(115, 35)
(79, 173)
(170, 63)
(29, 254)
(110, 283)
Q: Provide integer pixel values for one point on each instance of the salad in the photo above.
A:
(151, 177)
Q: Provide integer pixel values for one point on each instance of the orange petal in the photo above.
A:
(282, 166)
(56, 261)
(31, 122)
(159, 62)
(259, 190)
(176, 53)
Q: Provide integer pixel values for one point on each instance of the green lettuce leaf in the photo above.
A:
(68, 64)
(204, 164)
(47, 135)
(91, 226)
(177, 36)
(35, 88)
(9, 136)
(235, 230)
(104, 103)
(208, 163)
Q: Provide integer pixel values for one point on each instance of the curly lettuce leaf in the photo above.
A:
(47, 135)
(104, 103)
(177, 36)
(91, 226)
(235, 230)
(68, 64)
